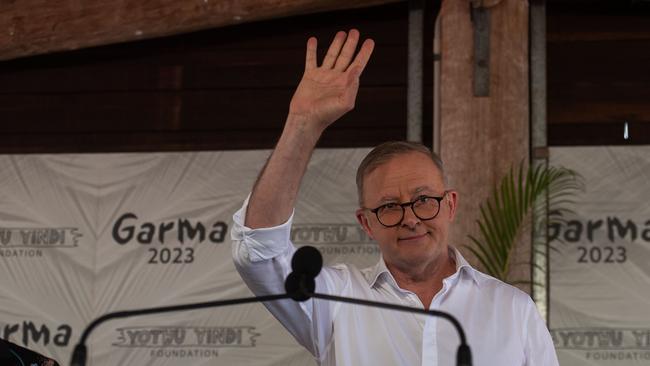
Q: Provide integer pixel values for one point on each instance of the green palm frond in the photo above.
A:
(543, 192)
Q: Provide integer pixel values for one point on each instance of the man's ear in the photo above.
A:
(452, 202)
(363, 221)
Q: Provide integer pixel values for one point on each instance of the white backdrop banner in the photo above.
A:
(600, 277)
(83, 235)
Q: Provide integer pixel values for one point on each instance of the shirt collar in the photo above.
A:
(462, 266)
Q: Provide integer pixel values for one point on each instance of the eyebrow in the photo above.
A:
(417, 190)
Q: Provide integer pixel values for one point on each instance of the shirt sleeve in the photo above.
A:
(539, 348)
(263, 259)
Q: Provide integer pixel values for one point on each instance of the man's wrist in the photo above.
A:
(305, 126)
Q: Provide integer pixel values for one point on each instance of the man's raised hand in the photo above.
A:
(327, 92)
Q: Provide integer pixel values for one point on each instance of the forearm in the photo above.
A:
(275, 192)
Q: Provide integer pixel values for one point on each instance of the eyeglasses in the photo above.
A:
(424, 208)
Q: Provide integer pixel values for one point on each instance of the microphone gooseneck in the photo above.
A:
(79, 354)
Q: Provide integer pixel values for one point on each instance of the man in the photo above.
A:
(407, 209)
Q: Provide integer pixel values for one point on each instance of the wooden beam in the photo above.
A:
(483, 137)
(31, 27)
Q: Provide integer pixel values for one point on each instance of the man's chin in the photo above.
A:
(411, 261)
(417, 257)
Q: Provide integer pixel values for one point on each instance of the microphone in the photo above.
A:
(306, 265)
(301, 285)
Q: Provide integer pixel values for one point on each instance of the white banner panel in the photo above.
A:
(83, 235)
(600, 278)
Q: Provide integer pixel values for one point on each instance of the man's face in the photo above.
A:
(413, 242)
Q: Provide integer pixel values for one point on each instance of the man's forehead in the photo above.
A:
(412, 165)
(400, 174)
(389, 194)
(411, 183)
(392, 180)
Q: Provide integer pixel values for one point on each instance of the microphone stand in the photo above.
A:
(300, 285)
(79, 355)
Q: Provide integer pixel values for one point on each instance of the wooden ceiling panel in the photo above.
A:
(32, 27)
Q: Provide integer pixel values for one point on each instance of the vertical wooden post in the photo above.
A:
(415, 84)
(539, 148)
(482, 137)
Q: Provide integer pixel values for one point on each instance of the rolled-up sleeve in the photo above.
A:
(261, 244)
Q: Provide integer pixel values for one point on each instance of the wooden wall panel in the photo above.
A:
(598, 56)
(226, 88)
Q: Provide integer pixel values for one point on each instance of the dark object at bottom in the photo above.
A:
(14, 355)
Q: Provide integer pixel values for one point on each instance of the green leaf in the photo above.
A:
(541, 192)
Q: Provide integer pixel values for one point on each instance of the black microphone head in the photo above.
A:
(307, 260)
(299, 286)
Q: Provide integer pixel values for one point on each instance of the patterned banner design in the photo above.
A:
(82, 235)
(174, 337)
(30, 242)
(600, 271)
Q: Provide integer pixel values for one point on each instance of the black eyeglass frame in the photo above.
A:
(410, 203)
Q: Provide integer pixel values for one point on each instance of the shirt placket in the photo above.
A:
(430, 334)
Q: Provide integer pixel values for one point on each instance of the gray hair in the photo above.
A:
(388, 150)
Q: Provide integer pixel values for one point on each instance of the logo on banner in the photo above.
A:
(334, 239)
(604, 343)
(186, 342)
(29, 334)
(601, 240)
(30, 242)
(169, 241)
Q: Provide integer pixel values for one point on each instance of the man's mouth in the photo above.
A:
(413, 237)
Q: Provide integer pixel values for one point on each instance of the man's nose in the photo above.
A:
(410, 220)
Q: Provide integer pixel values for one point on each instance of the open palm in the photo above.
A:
(328, 91)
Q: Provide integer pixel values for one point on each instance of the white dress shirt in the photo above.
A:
(501, 323)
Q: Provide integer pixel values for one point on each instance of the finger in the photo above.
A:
(363, 56)
(354, 72)
(347, 52)
(333, 51)
(352, 86)
(310, 60)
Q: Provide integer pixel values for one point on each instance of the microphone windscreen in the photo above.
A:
(307, 260)
(299, 287)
